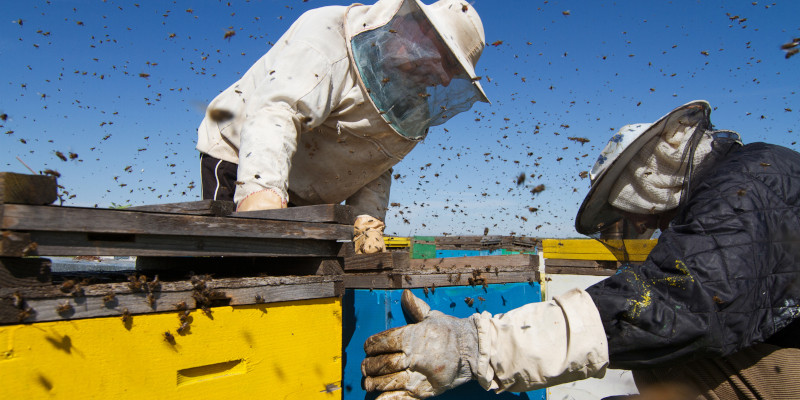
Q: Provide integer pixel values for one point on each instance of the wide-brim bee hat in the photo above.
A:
(596, 213)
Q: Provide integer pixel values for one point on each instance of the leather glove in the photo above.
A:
(423, 359)
(266, 199)
(368, 235)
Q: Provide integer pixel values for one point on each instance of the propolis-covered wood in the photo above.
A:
(27, 189)
(260, 350)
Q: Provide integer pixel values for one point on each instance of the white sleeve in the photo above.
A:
(542, 344)
(301, 88)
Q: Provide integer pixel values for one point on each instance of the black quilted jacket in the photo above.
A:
(724, 276)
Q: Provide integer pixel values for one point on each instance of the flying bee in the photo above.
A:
(218, 115)
(229, 34)
(64, 308)
(469, 301)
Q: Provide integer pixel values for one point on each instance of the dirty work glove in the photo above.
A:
(423, 359)
(368, 235)
(267, 199)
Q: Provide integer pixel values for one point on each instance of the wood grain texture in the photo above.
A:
(16, 244)
(76, 243)
(377, 261)
(219, 208)
(27, 189)
(74, 219)
(242, 266)
(24, 272)
(44, 301)
(335, 213)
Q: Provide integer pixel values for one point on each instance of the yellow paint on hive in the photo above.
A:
(591, 249)
(289, 350)
(396, 241)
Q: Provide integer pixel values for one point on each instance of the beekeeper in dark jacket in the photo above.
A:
(712, 312)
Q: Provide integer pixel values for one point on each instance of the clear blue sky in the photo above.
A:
(123, 86)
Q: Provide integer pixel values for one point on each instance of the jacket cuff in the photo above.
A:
(541, 344)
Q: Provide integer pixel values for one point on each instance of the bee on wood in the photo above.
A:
(169, 338)
(19, 302)
(24, 314)
(260, 299)
(109, 297)
(126, 315)
(407, 279)
(64, 308)
(181, 306)
(133, 283)
(151, 300)
(67, 286)
(433, 288)
(155, 285)
(469, 301)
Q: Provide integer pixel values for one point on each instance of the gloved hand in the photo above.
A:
(266, 199)
(368, 235)
(422, 359)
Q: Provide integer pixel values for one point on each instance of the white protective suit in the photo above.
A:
(303, 123)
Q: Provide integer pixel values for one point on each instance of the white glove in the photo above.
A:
(368, 235)
(423, 359)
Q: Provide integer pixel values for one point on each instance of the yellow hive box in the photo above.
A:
(591, 249)
(286, 350)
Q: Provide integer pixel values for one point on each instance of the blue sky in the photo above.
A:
(123, 86)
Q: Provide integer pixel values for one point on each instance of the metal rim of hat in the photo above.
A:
(595, 213)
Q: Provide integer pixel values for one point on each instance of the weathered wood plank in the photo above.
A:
(16, 244)
(243, 266)
(219, 208)
(73, 219)
(24, 272)
(27, 189)
(504, 262)
(44, 302)
(335, 213)
(377, 261)
(78, 244)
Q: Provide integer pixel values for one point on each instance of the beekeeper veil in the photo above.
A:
(417, 62)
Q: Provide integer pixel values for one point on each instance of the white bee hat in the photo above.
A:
(641, 168)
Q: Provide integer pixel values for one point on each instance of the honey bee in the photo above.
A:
(229, 34)
(109, 297)
(469, 301)
(433, 288)
(384, 80)
(538, 189)
(67, 286)
(741, 192)
(169, 338)
(183, 328)
(425, 290)
(133, 283)
(218, 115)
(24, 314)
(151, 300)
(181, 306)
(260, 299)
(64, 308)
(481, 299)
(18, 300)
(155, 285)
(126, 315)
(763, 164)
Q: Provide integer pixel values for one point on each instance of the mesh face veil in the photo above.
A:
(411, 76)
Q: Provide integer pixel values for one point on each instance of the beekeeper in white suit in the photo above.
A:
(340, 99)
